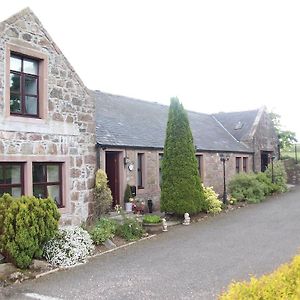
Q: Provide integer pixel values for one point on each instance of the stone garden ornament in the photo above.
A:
(187, 219)
(164, 225)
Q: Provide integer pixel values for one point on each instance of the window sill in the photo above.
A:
(35, 125)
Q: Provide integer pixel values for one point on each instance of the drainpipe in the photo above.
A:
(253, 156)
(98, 157)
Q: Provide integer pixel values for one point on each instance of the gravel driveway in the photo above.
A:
(192, 262)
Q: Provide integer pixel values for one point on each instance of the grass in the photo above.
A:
(290, 152)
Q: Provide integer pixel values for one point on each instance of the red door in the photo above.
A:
(112, 171)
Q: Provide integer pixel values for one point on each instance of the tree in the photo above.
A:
(102, 192)
(181, 189)
(286, 138)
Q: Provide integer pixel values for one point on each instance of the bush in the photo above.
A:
(130, 230)
(284, 283)
(103, 197)
(211, 202)
(152, 219)
(127, 193)
(103, 230)
(181, 190)
(26, 223)
(279, 175)
(266, 183)
(71, 245)
(246, 187)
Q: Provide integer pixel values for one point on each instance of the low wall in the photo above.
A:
(292, 170)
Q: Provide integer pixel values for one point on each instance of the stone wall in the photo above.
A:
(212, 171)
(68, 129)
(262, 138)
(292, 170)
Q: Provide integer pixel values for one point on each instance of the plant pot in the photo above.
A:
(153, 228)
(128, 206)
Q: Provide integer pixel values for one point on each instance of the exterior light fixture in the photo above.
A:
(126, 160)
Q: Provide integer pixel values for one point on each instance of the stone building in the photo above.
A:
(130, 137)
(55, 133)
(47, 128)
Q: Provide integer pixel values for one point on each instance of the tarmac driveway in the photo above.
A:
(192, 262)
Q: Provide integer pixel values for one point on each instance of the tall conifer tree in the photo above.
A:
(181, 190)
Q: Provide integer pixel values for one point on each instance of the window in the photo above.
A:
(245, 164)
(11, 179)
(140, 170)
(47, 181)
(24, 83)
(237, 164)
(160, 157)
(200, 164)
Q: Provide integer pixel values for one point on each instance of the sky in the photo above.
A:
(215, 56)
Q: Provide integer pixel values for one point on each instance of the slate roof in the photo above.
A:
(239, 124)
(127, 122)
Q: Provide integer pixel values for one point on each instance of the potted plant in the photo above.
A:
(138, 206)
(152, 223)
(128, 199)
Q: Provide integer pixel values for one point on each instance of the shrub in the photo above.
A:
(266, 183)
(152, 219)
(245, 187)
(211, 202)
(127, 193)
(130, 230)
(103, 230)
(26, 223)
(279, 175)
(71, 245)
(181, 190)
(102, 192)
(284, 283)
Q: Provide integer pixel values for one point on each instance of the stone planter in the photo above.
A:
(128, 206)
(153, 228)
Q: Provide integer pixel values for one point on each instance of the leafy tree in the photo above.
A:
(181, 189)
(286, 137)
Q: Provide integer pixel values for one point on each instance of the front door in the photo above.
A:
(265, 159)
(113, 176)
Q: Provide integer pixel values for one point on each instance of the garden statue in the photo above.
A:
(187, 219)
(164, 225)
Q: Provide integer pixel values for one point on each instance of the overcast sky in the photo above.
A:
(213, 55)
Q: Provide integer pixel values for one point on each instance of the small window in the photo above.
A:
(245, 164)
(161, 156)
(140, 170)
(200, 165)
(24, 82)
(239, 125)
(12, 179)
(238, 164)
(47, 181)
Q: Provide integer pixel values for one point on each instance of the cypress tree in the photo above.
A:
(181, 189)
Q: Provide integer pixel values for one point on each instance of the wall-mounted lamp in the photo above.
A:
(126, 160)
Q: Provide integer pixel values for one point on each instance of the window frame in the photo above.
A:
(23, 75)
(238, 164)
(42, 58)
(46, 183)
(140, 171)
(199, 158)
(21, 184)
(160, 159)
(245, 164)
